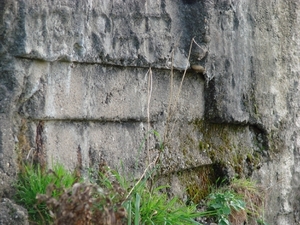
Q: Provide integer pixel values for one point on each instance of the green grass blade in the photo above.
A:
(137, 209)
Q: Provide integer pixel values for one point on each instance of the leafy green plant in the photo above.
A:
(32, 181)
(145, 205)
(153, 206)
(223, 203)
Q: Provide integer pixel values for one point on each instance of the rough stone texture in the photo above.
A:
(12, 214)
(75, 88)
(104, 110)
(253, 64)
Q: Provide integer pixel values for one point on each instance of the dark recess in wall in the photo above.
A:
(221, 174)
(189, 1)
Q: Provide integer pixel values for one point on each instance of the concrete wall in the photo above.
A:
(75, 87)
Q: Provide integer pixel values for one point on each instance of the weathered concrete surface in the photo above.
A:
(253, 64)
(75, 88)
(12, 214)
(132, 33)
(80, 91)
(110, 104)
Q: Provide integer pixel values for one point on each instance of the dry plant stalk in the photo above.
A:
(149, 72)
(149, 167)
(172, 110)
(238, 217)
(173, 100)
(253, 196)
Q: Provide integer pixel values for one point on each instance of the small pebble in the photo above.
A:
(198, 68)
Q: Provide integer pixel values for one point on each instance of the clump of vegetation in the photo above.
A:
(226, 204)
(33, 180)
(253, 195)
(83, 204)
(153, 206)
(236, 203)
(56, 197)
(59, 197)
(97, 201)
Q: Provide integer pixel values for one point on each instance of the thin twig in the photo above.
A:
(29, 153)
(187, 65)
(196, 43)
(169, 110)
(143, 175)
(148, 110)
(181, 83)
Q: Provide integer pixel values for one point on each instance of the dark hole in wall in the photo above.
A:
(261, 137)
(221, 174)
(39, 155)
(189, 1)
(79, 158)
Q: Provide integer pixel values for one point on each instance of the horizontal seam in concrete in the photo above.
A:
(95, 120)
(99, 63)
(83, 120)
